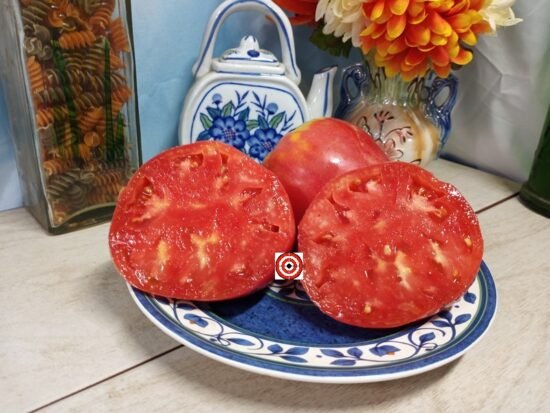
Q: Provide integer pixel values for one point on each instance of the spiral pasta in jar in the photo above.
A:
(76, 68)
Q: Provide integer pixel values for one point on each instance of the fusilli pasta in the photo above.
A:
(89, 6)
(74, 52)
(90, 118)
(77, 39)
(102, 16)
(47, 116)
(34, 47)
(118, 37)
(35, 74)
(55, 166)
(35, 12)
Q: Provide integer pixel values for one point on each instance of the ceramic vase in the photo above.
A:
(411, 120)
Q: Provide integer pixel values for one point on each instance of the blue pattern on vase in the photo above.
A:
(421, 110)
(253, 126)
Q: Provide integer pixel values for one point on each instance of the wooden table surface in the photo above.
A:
(71, 338)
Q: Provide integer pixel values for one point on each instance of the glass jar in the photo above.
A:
(69, 83)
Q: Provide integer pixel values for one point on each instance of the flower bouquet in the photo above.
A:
(405, 37)
(405, 91)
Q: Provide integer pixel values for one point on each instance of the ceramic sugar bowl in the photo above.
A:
(247, 97)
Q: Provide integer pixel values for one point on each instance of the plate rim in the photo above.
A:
(468, 339)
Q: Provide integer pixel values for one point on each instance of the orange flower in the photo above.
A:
(409, 37)
(303, 10)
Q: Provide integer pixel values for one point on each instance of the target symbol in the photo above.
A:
(289, 266)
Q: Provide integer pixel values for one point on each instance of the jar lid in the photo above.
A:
(248, 58)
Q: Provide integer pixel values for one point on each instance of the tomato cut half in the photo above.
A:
(201, 222)
(387, 245)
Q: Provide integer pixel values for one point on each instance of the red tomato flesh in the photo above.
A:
(310, 156)
(387, 245)
(201, 222)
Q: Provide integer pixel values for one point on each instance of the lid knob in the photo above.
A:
(249, 46)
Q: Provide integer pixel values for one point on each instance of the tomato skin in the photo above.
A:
(388, 245)
(201, 222)
(319, 150)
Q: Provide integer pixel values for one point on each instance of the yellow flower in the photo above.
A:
(499, 13)
(342, 18)
(409, 37)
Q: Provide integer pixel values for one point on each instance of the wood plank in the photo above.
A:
(68, 321)
(480, 188)
(509, 370)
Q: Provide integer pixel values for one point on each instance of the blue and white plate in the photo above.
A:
(279, 332)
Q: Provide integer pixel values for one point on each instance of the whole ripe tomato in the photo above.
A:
(310, 156)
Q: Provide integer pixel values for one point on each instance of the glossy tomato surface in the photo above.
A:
(201, 222)
(387, 245)
(319, 150)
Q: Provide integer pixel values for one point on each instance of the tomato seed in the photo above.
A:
(403, 271)
(325, 239)
(437, 253)
(201, 243)
(340, 210)
(248, 193)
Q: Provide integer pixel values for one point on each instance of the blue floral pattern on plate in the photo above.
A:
(248, 122)
(300, 343)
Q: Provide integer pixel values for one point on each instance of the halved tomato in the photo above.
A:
(387, 245)
(201, 222)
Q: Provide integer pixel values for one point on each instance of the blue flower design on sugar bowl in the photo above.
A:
(226, 129)
(254, 132)
(247, 98)
(230, 131)
(263, 141)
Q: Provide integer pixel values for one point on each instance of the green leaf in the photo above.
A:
(330, 43)
(204, 135)
(263, 123)
(276, 120)
(228, 109)
(213, 112)
(243, 115)
(252, 124)
(206, 121)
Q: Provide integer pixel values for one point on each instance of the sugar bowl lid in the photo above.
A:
(248, 58)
